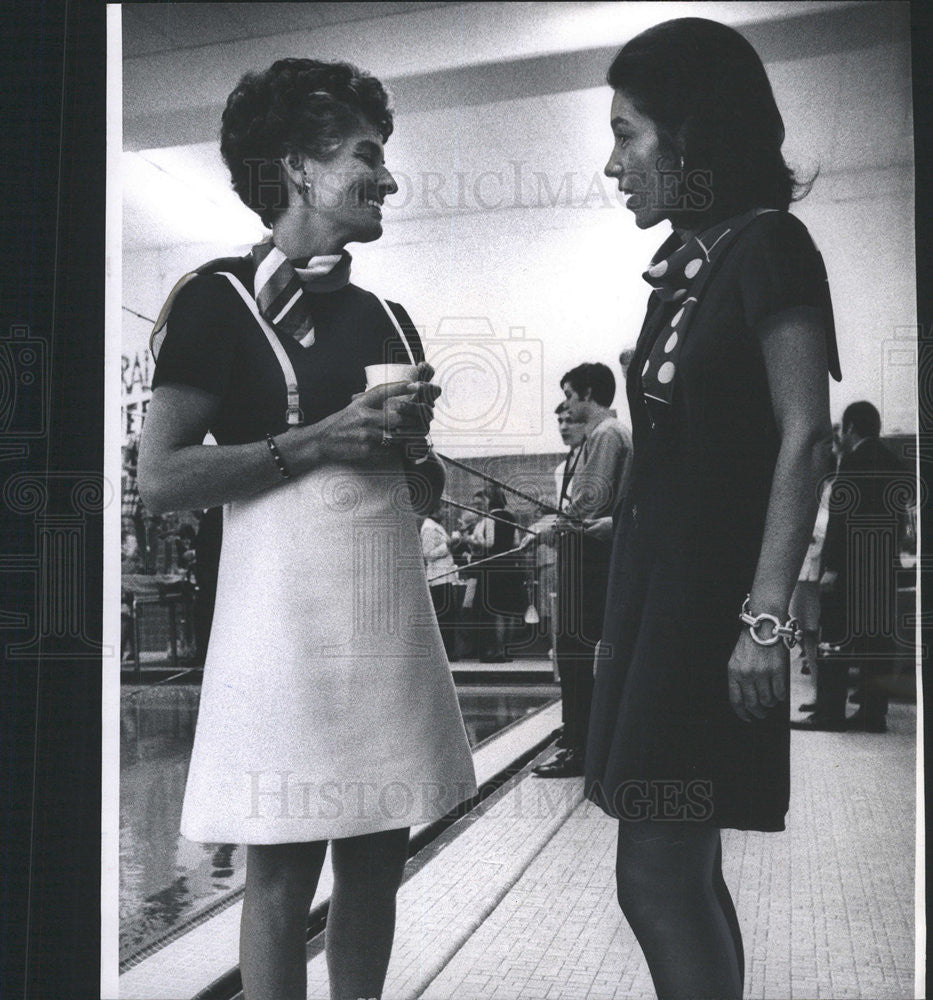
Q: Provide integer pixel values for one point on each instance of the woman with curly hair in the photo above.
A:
(728, 393)
(328, 712)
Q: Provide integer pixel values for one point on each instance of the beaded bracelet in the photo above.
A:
(277, 457)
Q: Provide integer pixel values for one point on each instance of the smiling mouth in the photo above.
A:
(374, 204)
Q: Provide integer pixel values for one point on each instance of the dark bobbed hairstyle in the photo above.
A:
(863, 417)
(596, 377)
(296, 106)
(436, 513)
(707, 92)
(494, 496)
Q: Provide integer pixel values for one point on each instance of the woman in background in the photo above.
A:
(442, 577)
(729, 401)
(499, 586)
(805, 601)
(307, 696)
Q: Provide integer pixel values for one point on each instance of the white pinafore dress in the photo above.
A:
(327, 707)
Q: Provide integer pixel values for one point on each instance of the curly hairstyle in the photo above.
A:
(295, 106)
(706, 90)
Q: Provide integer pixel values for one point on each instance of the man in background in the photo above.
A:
(594, 488)
(573, 434)
(871, 494)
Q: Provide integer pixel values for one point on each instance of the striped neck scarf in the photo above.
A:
(284, 290)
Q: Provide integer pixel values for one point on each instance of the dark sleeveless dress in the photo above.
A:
(664, 742)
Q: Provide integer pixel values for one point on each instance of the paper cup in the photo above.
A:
(389, 374)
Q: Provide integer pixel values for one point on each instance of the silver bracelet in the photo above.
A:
(790, 631)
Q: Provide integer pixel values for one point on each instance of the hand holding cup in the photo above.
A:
(407, 415)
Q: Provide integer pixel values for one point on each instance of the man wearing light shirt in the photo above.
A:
(597, 485)
(573, 434)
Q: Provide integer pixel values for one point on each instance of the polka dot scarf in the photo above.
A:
(679, 277)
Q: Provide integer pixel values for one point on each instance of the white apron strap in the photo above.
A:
(293, 414)
(411, 358)
(399, 330)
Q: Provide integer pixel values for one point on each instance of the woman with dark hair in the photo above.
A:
(443, 581)
(500, 586)
(322, 717)
(729, 400)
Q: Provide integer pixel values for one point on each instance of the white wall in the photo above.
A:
(569, 273)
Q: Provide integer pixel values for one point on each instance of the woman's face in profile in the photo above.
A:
(640, 164)
(572, 431)
(348, 189)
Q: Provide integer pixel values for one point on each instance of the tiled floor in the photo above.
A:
(515, 912)
(192, 962)
(518, 901)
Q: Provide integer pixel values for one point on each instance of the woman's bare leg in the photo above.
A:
(280, 884)
(361, 920)
(728, 909)
(666, 886)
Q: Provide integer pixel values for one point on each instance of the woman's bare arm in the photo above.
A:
(178, 472)
(794, 348)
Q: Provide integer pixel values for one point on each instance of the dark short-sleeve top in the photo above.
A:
(212, 342)
(688, 540)
(719, 431)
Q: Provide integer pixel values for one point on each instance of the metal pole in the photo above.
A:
(489, 514)
(480, 562)
(546, 507)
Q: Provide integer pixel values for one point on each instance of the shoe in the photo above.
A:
(819, 724)
(560, 755)
(858, 723)
(569, 764)
(809, 706)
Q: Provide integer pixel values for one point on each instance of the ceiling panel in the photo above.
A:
(161, 27)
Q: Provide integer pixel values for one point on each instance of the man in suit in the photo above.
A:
(871, 493)
(598, 478)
